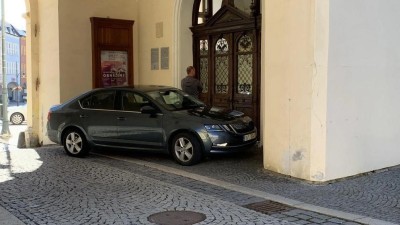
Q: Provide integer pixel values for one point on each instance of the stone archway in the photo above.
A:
(182, 38)
(32, 71)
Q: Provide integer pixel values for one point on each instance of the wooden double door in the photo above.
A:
(228, 66)
(226, 53)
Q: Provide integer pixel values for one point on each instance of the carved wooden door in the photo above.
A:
(227, 56)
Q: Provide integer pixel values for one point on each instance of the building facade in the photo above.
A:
(328, 85)
(22, 80)
(13, 61)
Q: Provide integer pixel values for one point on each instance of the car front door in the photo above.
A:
(99, 117)
(135, 129)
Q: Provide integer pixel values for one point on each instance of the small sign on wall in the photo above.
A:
(165, 58)
(159, 30)
(155, 59)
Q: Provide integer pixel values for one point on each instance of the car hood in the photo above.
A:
(214, 113)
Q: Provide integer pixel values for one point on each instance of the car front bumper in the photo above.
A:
(225, 142)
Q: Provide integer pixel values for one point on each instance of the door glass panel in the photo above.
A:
(245, 74)
(202, 12)
(245, 64)
(204, 73)
(216, 6)
(245, 44)
(222, 46)
(203, 47)
(221, 74)
(221, 66)
(244, 5)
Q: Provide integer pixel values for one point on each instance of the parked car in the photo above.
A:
(17, 114)
(148, 118)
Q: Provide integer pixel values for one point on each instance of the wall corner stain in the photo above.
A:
(319, 176)
(298, 155)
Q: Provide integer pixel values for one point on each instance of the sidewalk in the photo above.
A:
(243, 182)
(6, 217)
(15, 131)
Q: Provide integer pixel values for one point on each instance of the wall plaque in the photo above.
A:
(165, 58)
(155, 59)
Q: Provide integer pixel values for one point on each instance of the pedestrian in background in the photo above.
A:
(190, 84)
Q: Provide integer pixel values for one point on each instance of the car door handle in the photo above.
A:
(121, 118)
(83, 116)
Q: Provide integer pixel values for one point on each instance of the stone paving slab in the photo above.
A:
(57, 189)
(220, 192)
(8, 218)
(47, 187)
(376, 195)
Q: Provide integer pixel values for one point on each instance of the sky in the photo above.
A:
(14, 10)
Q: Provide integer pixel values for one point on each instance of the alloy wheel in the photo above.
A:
(74, 143)
(17, 118)
(184, 149)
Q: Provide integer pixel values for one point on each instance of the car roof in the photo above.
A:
(141, 88)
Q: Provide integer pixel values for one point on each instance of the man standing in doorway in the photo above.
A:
(190, 84)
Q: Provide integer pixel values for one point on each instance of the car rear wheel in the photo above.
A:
(75, 143)
(17, 118)
(186, 149)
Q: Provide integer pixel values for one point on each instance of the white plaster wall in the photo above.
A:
(294, 73)
(363, 86)
(152, 12)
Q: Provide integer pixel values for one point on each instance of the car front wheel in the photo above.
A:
(17, 118)
(186, 149)
(75, 143)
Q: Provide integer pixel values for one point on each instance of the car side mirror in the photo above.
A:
(148, 110)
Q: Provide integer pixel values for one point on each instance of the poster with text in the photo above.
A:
(114, 68)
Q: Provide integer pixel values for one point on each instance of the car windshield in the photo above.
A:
(174, 100)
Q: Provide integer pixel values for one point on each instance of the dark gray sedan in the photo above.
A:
(148, 118)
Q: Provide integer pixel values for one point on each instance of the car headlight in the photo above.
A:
(213, 127)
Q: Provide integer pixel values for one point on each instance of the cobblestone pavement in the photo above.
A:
(45, 186)
(375, 195)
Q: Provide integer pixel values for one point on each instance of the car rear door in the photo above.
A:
(99, 117)
(135, 129)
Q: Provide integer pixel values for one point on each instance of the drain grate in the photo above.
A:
(269, 207)
(176, 218)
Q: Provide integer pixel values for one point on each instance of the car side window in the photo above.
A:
(99, 100)
(133, 102)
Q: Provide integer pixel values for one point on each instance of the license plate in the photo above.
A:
(249, 137)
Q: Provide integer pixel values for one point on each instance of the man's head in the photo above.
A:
(190, 71)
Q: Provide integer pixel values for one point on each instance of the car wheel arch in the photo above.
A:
(72, 127)
(17, 113)
(176, 132)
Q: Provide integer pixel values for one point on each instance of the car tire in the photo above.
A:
(186, 149)
(75, 143)
(17, 118)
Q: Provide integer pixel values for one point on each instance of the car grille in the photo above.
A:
(241, 128)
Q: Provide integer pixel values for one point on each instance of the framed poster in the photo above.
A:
(114, 68)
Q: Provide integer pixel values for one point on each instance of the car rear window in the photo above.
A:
(99, 100)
